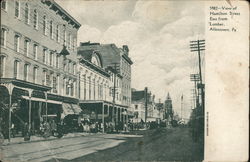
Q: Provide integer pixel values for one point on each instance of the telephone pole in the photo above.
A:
(195, 78)
(114, 89)
(146, 103)
(198, 46)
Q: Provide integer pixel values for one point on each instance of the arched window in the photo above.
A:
(27, 13)
(35, 19)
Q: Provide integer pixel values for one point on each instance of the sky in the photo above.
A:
(158, 34)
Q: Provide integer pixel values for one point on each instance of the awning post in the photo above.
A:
(103, 118)
(10, 102)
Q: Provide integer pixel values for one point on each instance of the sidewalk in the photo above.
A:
(19, 140)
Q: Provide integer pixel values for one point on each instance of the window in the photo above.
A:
(64, 37)
(2, 66)
(72, 88)
(35, 19)
(35, 51)
(74, 44)
(89, 88)
(44, 25)
(74, 68)
(54, 84)
(26, 71)
(26, 47)
(4, 5)
(44, 55)
(57, 61)
(27, 13)
(51, 59)
(136, 107)
(35, 74)
(51, 29)
(16, 43)
(16, 69)
(57, 34)
(3, 37)
(64, 86)
(17, 9)
(48, 82)
(70, 43)
(67, 87)
(69, 66)
(44, 77)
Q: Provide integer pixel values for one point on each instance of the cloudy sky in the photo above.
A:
(158, 35)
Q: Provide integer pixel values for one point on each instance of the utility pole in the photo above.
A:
(146, 103)
(198, 46)
(195, 78)
(181, 106)
(115, 72)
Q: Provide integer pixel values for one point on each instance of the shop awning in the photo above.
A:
(70, 109)
(76, 108)
(67, 109)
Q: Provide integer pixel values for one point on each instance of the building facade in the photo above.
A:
(38, 62)
(117, 64)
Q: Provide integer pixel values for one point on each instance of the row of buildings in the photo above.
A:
(146, 109)
(45, 75)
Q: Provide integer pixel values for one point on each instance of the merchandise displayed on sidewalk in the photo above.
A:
(123, 80)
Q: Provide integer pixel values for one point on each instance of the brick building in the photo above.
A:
(38, 61)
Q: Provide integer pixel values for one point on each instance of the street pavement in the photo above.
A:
(172, 144)
(65, 148)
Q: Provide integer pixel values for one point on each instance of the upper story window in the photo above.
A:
(44, 55)
(16, 43)
(4, 5)
(57, 33)
(35, 19)
(35, 51)
(17, 9)
(26, 72)
(26, 47)
(69, 41)
(35, 74)
(57, 60)
(16, 69)
(3, 37)
(44, 25)
(27, 13)
(51, 59)
(2, 66)
(51, 29)
(64, 37)
(74, 68)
